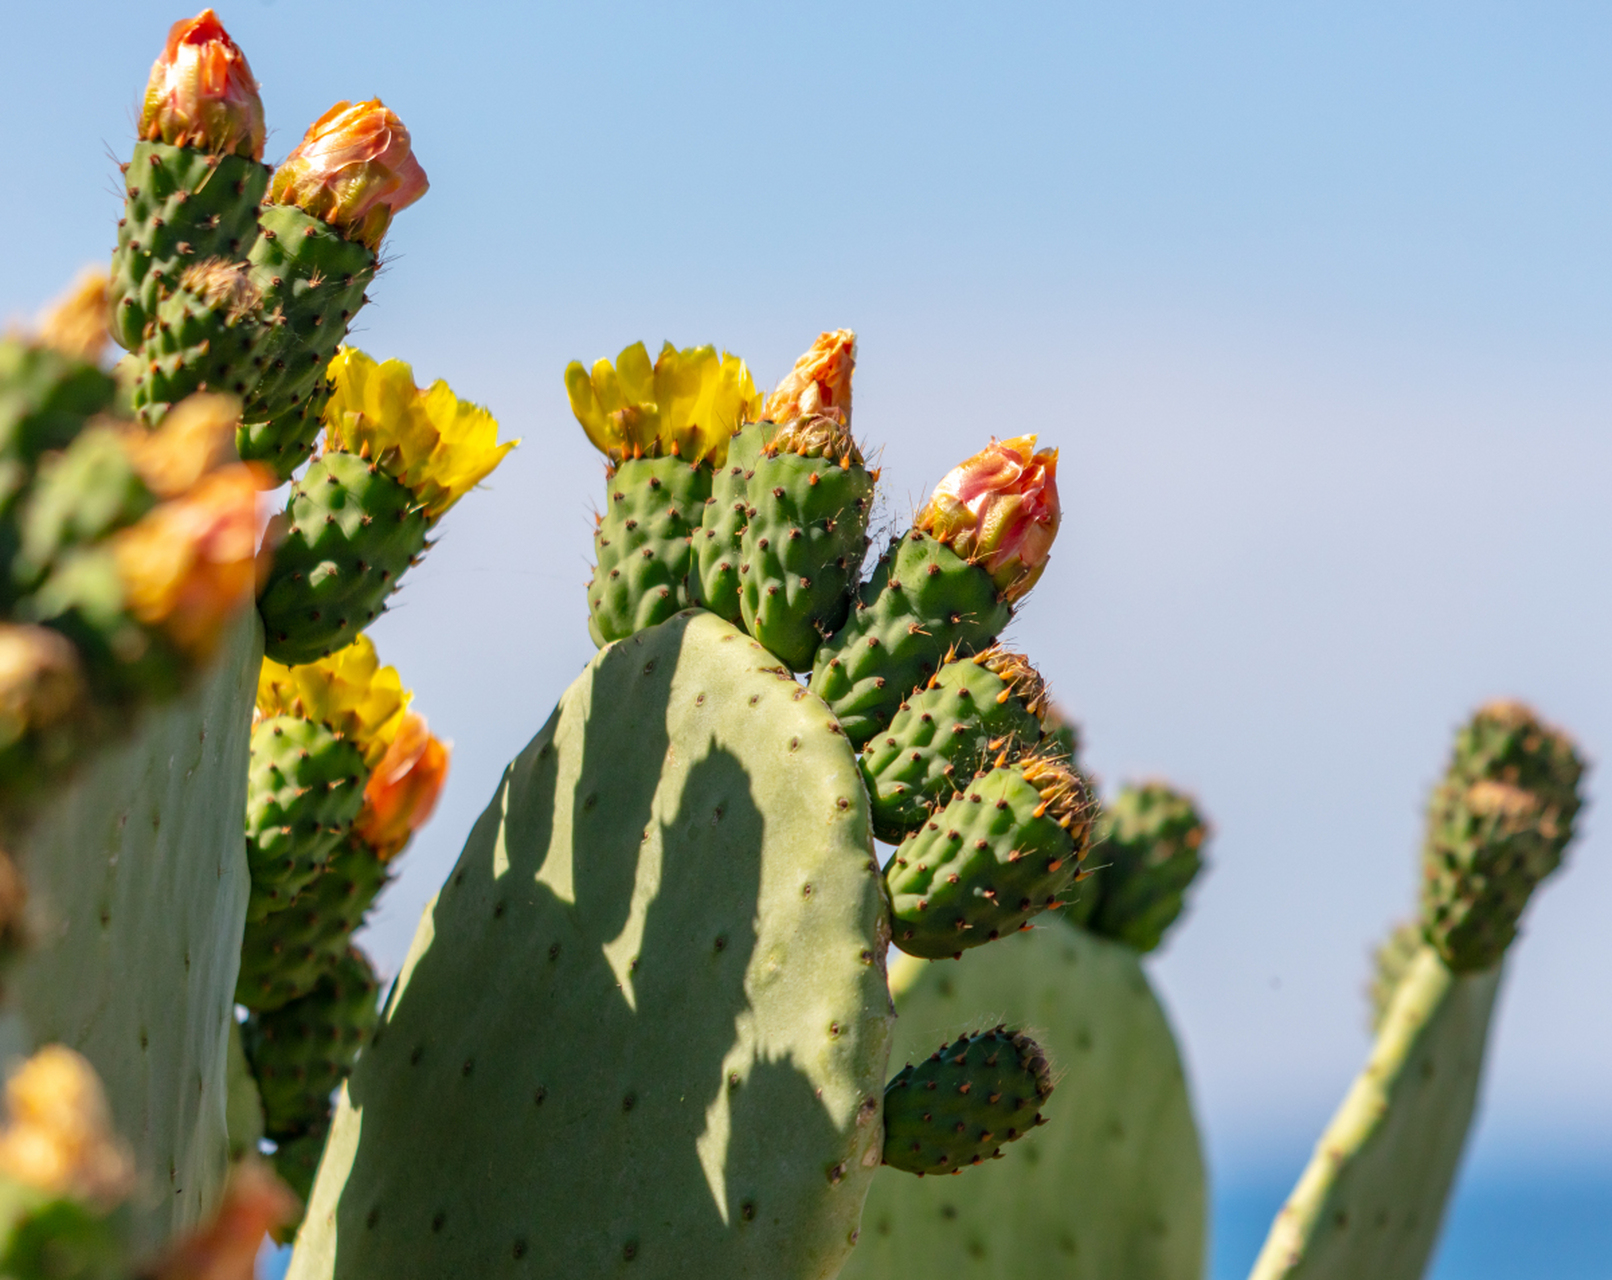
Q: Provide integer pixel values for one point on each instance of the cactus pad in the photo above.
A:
(679, 1068)
(718, 542)
(1149, 849)
(1111, 1186)
(923, 601)
(1004, 850)
(644, 546)
(965, 1102)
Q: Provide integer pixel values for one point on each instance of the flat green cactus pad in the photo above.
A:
(1371, 1201)
(643, 1028)
(1111, 1187)
(137, 887)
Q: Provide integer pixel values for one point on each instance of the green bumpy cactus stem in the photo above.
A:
(1112, 1187)
(718, 543)
(922, 602)
(183, 206)
(1392, 961)
(966, 1101)
(1005, 849)
(804, 538)
(643, 546)
(675, 887)
(305, 787)
(1149, 847)
(972, 712)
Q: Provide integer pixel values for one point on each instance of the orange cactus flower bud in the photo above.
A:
(201, 92)
(354, 169)
(403, 789)
(195, 437)
(188, 565)
(75, 324)
(820, 383)
(1000, 510)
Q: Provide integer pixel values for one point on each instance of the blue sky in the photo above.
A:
(1313, 297)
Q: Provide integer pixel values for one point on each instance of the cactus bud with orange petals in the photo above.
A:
(403, 789)
(354, 168)
(201, 93)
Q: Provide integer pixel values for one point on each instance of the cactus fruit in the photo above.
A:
(714, 582)
(1148, 851)
(662, 429)
(1005, 849)
(676, 873)
(398, 458)
(209, 333)
(1113, 1184)
(1497, 827)
(973, 712)
(809, 497)
(965, 1102)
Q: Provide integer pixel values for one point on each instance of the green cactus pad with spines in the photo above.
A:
(78, 497)
(714, 581)
(182, 207)
(352, 532)
(313, 280)
(1112, 1186)
(963, 719)
(983, 865)
(1497, 825)
(802, 547)
(137, 879)
(965, 1102)
(305, 787)
(1148, 851)
(643, 547)
(286, 953)
(197, 344)
(1371, 1201)
(302, 1051)
(922, 601)
(643, 1027)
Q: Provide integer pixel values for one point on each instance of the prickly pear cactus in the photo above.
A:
(643, 1027)
(1111, 1186)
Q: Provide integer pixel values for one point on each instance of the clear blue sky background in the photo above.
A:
(1313, 297)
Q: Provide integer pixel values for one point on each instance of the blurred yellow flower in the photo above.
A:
(58, 1136)
(349, 691)
(689, 403)
(434, 443)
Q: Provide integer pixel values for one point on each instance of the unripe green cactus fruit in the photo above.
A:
(804, 539)
(972, 712)
(1111, 1187)
(79, 495)
(644, 545)
(304, 788)
(675, 878)
(1149, 849)
(718, 543)
(922, 602)
(1006, 848)
(302, 1051)
(965, 1102)
(183, 206)
(352, 531)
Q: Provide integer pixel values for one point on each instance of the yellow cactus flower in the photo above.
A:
(434, 443)
(58, 1136)
(349, 691)
(688, 404)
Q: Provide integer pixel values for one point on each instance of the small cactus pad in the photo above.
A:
(805, 536)
(304, 788)
(1372, 1198)
(718, 542)
(965, 1102)
(352, 530)
(1148, 851)
(644, 545)
(183, 206)
(1496, 827)
(972, 711)
(922, 602)
(1112, 1186)
(139, 866)
(1004, 850)
(643, 1028)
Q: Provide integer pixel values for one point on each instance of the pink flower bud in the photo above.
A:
(201, 92)
(354, 169)
(1000, 510)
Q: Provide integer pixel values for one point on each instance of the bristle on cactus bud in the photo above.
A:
(355, 169)
(819, 385)
(201, 93)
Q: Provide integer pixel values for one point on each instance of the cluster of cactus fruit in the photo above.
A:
(665, 942)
